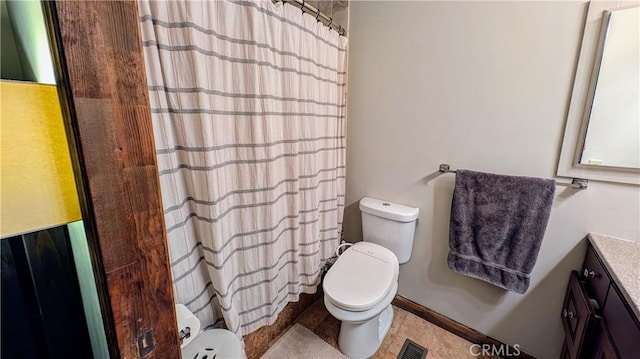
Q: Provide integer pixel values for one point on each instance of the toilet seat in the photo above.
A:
(361, 277)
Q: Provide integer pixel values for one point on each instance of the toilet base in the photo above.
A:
(362, 340)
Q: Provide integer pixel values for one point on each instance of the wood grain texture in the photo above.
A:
(103, 76)
(451, 325)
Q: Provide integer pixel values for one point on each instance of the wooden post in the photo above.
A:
(100, 68)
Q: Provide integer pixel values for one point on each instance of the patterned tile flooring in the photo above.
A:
(439, 342)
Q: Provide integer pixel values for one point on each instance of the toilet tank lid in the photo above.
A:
(388, 210)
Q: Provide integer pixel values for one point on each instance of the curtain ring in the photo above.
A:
(302, 6)
(330, 22)
(318, 15)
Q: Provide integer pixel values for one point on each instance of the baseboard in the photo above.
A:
(456, 328)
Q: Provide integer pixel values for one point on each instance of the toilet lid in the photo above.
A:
(361, 276)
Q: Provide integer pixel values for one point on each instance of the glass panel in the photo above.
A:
(46, 299)
(25, 48)
(49, 295)
(88, 289)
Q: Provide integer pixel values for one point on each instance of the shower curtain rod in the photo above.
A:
(326, 20)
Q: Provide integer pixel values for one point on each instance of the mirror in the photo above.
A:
(602, 134)
(613, 111)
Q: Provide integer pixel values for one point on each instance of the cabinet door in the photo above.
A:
(624, 330)
(564, 354)
(594, 274)
(603, 347)
(578, 317)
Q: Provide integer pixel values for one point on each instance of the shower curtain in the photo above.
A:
(248, 110)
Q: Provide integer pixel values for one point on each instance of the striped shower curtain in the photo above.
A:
(248, 109)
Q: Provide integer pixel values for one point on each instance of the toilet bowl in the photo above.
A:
(358, 290)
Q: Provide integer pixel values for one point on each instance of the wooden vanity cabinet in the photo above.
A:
(597, 321)
(578, 318)
(595, 276)
(624, 330)
(603, 347)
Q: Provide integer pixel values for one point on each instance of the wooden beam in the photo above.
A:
(100, 66)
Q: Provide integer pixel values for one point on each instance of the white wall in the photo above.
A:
(482, 86)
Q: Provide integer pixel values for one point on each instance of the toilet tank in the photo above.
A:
(390, 225)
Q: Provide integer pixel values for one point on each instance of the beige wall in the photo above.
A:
(482, 86)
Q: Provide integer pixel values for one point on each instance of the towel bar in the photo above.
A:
(577, 183)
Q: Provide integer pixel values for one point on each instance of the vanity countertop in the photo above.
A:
(622, 259)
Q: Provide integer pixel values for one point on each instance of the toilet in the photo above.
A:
(214, 344)
(206, 344)
(359, 287)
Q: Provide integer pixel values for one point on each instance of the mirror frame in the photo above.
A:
(578, 115)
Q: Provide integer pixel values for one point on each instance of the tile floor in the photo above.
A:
(439, 342)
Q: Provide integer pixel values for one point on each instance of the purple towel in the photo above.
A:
(497, 225)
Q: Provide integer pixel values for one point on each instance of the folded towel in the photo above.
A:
(497, 225)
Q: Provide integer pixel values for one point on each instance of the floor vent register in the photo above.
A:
(411, 350)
